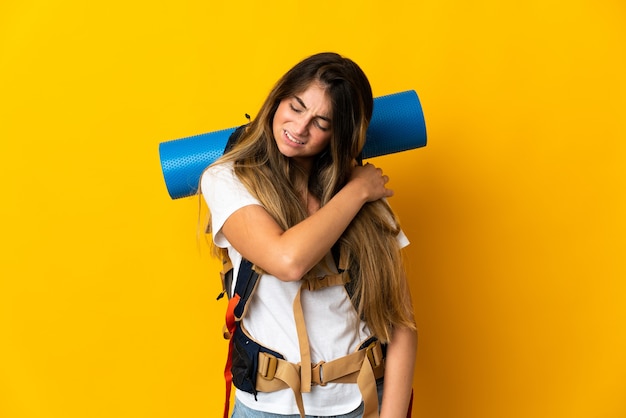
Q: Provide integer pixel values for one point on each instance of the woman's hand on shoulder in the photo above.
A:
(371, 181)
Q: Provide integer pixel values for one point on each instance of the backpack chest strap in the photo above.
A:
(316, 283)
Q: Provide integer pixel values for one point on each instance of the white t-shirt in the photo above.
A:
(333, 327)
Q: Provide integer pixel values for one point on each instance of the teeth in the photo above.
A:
(291, 138)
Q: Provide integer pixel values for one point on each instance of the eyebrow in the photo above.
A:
(327, 119)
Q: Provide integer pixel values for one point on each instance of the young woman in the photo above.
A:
(291, 198)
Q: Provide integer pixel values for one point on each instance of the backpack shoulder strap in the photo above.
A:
(247, 280)
(234, 137)
(245, 286)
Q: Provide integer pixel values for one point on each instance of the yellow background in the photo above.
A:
(515, 208)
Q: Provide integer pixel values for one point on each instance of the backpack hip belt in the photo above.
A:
(362, 367)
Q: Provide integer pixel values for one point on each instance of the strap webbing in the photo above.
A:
(367, 386)
(306, 365)
(310, 284)
(228, 375)
(303, 341)
(287, 375)
(356, 368)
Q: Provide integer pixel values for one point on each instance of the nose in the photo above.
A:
(301, 126)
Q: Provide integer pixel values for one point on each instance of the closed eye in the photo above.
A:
(295, 109)
(322, 124)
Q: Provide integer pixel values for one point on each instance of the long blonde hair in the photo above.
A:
(370, 242)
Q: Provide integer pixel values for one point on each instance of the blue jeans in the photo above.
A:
(242, 411)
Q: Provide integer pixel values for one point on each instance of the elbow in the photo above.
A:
(290, 269)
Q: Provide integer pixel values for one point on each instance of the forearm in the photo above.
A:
(399, 366)
(290, 254)
(306, 243)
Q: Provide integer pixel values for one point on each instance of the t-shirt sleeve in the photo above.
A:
(403, 241)
(224, 194)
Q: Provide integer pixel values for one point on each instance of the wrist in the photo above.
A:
(356, 192)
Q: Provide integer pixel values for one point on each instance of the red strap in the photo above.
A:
(230, 324)
(409, 413)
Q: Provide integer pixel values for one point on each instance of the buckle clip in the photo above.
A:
(267, 366)
(317, 374)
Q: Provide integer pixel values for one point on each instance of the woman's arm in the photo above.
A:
(290, 254)
(399, 366)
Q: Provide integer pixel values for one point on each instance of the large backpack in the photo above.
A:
(253, 368)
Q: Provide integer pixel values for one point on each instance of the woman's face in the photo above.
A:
(302, 124)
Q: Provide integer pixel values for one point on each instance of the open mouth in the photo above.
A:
(292, 139)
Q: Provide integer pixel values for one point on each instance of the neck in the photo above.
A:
(304, 164)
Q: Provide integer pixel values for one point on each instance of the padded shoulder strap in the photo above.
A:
(247, 279)
(233, 138)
